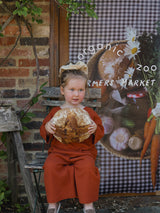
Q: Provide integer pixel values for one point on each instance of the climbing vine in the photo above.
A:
(22, 10)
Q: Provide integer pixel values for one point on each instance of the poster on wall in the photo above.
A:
(122, 50)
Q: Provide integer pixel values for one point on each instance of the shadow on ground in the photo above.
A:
(136, 204)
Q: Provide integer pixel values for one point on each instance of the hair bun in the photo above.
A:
(78, 66)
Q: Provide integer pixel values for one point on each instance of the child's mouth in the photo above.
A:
(75, 99)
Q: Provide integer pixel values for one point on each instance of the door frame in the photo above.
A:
(59, 41)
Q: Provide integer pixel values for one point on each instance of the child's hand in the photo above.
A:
(92, 128)
(50, 127)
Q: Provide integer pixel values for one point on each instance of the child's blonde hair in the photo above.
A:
(78, 70)
(72, 74)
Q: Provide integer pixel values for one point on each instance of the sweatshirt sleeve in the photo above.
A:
(43, 132)
(99, 133)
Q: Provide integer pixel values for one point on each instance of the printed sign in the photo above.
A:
(122, 51)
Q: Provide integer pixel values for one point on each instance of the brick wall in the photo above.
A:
(18, 74)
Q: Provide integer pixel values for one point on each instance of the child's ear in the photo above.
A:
(62, 90)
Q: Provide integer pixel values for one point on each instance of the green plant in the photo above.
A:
(27, 7)
(4, 193)
(21, 11)
(25, 115)
(3, 154)
(79, 7)
(1, 35)
(5, 199)
(21, 208)
(150, 55)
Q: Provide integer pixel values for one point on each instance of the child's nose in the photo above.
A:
(76, 93)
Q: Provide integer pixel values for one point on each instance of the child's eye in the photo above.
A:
(81, 90)
(72, 90)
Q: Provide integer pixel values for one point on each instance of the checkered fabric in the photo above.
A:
(87, 35)
(114, 17)
(120, 175)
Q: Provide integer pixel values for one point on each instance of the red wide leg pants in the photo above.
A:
(71, 176)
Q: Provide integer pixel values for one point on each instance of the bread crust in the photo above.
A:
(71, 125)
(112, 66)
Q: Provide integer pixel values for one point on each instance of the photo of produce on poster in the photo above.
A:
(129, 90)
(122, 51)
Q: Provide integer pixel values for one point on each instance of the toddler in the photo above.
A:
(69, 170)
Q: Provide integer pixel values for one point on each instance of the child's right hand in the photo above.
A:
(50, 127)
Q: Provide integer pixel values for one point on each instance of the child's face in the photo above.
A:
(74, 91)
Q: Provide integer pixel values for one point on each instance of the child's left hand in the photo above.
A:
(92, 128)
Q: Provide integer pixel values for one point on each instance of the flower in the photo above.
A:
(130, 34)
(132, 49)
(126, 76)
(129, 73)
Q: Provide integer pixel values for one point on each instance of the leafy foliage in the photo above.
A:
(21, 208)
(3, 155)
(28, 7)
(25, 115)
(79, 7)
(4, 193)
(1, 35)
(150, 55)
(5, 200)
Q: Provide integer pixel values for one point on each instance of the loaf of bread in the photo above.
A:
(71, 125)
(113, 64)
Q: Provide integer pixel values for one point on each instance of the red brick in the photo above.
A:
(14, 30)
(11, 30)
(22, 103)
(44, 62)
(32, 62)
(6, 41)
(46, 19)
(16, 52)
(3, 19)
(25, 31)
(45, 8)
(30, 82)
(38, 106)
(3, 176)
(2, 146)
(7, 62)
(3, 168)
(27, 63)
(7, 82)
(14, 72)
(26, 135)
